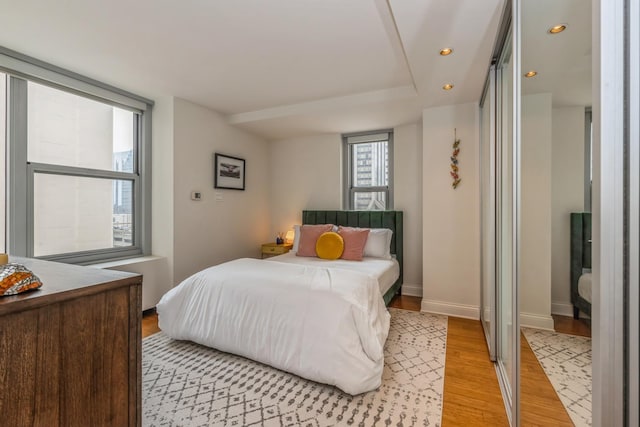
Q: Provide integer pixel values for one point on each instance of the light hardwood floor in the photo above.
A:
(471, 391)
(571, 326)
(150, 324)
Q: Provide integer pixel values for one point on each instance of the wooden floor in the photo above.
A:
(406, 302)
(471, 391)
(568, 325)
(150, 324)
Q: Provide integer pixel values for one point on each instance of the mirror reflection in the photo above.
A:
(555, 250)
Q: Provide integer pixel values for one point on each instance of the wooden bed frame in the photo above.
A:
(366, 219)
(580, 258)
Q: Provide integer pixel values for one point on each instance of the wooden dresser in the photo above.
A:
(70, 352)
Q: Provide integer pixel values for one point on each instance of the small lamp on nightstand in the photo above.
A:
(288, 238)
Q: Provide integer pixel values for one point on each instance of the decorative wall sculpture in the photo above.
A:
(454, 161)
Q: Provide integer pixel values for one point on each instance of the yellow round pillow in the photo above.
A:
(330, 245)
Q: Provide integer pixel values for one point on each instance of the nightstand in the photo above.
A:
(273, 249)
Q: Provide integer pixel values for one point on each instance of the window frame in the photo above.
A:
(349, 190)
(588, 146)
(20, 173)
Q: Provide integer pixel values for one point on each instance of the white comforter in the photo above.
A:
(327, 325)
(386, 271)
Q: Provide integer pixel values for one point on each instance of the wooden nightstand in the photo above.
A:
(273, 249)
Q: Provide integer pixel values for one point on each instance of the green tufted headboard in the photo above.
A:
(580, 257)
(366, 219)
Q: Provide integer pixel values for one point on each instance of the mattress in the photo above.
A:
(584, 286)
(385, 271)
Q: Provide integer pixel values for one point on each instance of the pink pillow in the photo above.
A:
(309, 236)
(354, 241)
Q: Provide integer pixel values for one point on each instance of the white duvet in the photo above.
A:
(386, 271)
(324, 324)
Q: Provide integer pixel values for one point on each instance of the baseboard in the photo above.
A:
(149, 311)
(528, 320)
(451, 309)
(562, 309)
(411, 290)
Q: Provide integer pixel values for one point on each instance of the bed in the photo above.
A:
(581, 263)
(392, 220)
(318, 319)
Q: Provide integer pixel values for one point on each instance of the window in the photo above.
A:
(78, 166)
(368, 168)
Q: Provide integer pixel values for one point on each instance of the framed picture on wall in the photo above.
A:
(229, 172)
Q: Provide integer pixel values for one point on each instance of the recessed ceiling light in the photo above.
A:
(531, 73)
(557, 28)
(446, 51)
(448, 86)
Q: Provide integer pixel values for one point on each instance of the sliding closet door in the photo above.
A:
(633, 215)
(506, 168)
(488, 211)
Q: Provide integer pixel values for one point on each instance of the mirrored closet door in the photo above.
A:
(555, 221)
(506, 225)
(536, 163)
(498, 220)
(487, 212)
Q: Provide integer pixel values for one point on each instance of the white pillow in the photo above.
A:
(296, 238)
(378, 243)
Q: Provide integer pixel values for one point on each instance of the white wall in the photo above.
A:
(153, 287)
(567, 195)
(211, 231)
(535, 227)
(407, 197)
(306, 173)
(451, 218)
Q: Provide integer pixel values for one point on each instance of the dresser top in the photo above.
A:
(63, 281)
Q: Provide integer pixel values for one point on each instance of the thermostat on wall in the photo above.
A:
(196, 195)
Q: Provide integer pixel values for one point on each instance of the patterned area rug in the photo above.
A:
(566, 359)
(185, 384)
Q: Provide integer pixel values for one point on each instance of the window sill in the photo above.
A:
(123, 262)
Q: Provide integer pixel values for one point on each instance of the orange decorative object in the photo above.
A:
(15, 278)
(454, 161)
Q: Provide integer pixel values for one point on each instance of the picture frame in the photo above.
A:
(229, 172)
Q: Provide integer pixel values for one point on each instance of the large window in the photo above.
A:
(368, 170)
(78, 167)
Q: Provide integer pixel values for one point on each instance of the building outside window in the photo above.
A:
(368, 170)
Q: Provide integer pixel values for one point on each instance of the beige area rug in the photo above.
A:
(566, 359)
(186, 384)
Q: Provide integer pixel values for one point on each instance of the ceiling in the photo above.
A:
(278, 68)
(563, 61)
